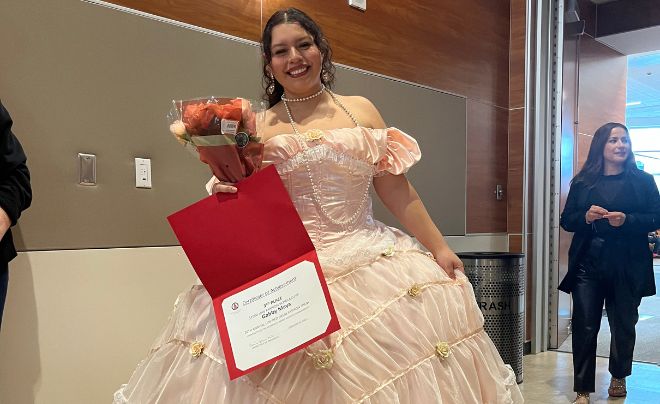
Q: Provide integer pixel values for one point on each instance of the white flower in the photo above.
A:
(196, 349)
(442, 349)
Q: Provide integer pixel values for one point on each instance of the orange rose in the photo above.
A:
(204, 118)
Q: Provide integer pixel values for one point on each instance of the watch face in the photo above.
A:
(242, 139)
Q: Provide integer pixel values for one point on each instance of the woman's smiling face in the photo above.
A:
(295, 60)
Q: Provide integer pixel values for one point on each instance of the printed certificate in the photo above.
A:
(278, 314)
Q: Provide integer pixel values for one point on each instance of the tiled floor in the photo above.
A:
(548, 378)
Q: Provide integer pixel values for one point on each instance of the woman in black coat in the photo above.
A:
(611, 207)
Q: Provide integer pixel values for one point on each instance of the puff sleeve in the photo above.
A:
(401, 152)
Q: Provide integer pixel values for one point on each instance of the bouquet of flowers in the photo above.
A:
(223, 132)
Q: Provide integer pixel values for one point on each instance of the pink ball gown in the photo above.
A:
(409, 333)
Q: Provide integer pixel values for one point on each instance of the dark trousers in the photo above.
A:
(4, 279)
(592, 289)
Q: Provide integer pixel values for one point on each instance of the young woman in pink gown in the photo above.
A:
(411, 331)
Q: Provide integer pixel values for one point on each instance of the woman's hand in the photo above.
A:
(449, 261)
(594, 213)
(616, 219)
(226, 187)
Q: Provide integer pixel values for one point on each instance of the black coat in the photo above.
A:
(15, 190)
(645, 217)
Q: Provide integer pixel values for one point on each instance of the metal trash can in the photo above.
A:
(498, 279)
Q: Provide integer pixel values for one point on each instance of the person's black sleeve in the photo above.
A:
(15, 190)
(573, 217)
(648, 219)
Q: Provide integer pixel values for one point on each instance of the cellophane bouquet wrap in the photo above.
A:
(223, 131)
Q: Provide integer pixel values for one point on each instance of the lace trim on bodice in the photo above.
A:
(325, 152)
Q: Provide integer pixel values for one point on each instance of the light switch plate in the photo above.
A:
(87, 169)
(142, 173)
(359, 4)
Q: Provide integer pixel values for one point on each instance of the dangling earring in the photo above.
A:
(271, 87)
(325, 76)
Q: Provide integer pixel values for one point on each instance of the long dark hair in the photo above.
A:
(593, 167)
(289, 16)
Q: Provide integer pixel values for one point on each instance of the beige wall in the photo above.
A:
(77, 323)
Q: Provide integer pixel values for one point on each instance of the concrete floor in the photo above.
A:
(548, 378)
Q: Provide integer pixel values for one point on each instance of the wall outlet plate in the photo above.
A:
(142, 173)
(359, 4)
(87, 169)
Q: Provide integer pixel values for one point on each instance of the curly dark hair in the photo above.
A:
(291, 16)
(593, 167)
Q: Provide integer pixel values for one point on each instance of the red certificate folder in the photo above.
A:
(235, 241)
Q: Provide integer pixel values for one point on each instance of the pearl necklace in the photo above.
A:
(316, 190)
(309, 97)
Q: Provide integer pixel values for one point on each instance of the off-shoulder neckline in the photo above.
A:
(324, 130)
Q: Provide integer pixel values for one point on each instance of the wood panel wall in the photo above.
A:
(602, 99)
(459, 47)
(486, 167)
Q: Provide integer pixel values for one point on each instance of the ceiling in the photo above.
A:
(643, 96)
(643, 109)
(631, 42)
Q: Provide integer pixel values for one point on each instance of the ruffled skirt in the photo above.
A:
(410, 334)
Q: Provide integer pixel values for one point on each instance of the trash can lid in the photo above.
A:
(489, 255)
